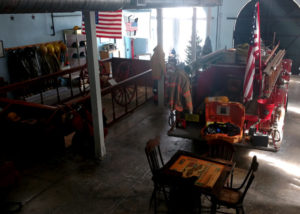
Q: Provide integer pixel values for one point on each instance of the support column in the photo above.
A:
(95, 89)
(176, 33)
(194, 34)
(161, 84)
(208, 22)
(218, 28)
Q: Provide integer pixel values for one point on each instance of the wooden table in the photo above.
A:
(203, 174)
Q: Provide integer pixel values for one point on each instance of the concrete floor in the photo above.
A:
(121, 183)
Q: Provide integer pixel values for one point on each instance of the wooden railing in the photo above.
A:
(139, 99)
(37, 90)
(40, 85)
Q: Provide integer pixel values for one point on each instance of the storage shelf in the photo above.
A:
(71, 38)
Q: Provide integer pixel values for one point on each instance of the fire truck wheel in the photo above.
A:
(276, 139)
(172, 118)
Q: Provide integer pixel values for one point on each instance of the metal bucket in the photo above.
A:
(265, 109)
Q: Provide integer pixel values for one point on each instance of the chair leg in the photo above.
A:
(200, 204)
(155, 201)
(243, 211)
(213, 209)
(152, 197)
(238, 210)
(165, 193)
(231, 178)
(166, 197)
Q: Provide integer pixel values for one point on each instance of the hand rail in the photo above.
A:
(124, 82)
(140, 86)
(18, 85)
(110, 88)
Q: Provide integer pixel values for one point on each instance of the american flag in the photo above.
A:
(253, 54)
(108, 24)
(131, 26)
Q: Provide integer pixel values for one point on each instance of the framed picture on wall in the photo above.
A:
(1, 49)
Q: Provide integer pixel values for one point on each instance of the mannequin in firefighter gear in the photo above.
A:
(179, 92)
(158, 63)
(158, 69)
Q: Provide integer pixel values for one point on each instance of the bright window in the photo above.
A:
(177, 29)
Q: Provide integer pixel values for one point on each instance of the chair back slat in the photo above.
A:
(153, 154)
(249, 178)
(221, 149)
(247, 187)
(252, 169)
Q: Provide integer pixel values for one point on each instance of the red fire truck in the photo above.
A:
(217, 91)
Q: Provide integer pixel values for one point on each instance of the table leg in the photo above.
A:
(213, 208)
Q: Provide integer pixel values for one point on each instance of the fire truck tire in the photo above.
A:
(172, 119)
(276, 139)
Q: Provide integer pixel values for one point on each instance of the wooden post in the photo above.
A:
(95, 89)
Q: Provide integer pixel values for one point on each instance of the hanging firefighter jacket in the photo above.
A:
(27, 63)
(180, 97)
(158, 63)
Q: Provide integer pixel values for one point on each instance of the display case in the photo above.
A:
(76, 45)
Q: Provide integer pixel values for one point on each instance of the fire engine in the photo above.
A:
(219, 111)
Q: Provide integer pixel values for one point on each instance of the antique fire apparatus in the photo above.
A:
(219, 111)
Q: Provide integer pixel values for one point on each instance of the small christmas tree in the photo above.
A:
(188, 51)
(207, 49)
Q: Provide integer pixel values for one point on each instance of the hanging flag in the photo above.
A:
(131, 26)
(253, 54)
(108, 24)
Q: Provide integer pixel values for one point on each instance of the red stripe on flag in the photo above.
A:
(110, 28)
(110, 24)
(110, 37)
(105, 32)
(110, 15)
(110, 20)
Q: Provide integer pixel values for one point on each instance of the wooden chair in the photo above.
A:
(223, 150)
(234, 197)
(155, 161)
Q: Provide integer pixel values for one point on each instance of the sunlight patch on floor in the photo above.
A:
(294, 109)
(294, 81)
(295, 186)
(289, 168)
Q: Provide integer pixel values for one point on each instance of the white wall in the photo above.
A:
(230, 8)
(23, 30)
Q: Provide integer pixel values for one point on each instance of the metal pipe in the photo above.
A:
(69, 15)
(174, 3)
(52, 25)
(44, 6)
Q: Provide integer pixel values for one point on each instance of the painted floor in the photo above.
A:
(121, 183)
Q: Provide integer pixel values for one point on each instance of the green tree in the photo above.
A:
(188, 51)
(207, 49)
